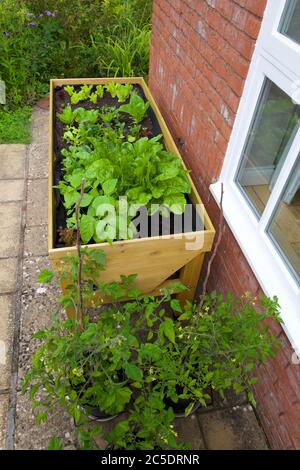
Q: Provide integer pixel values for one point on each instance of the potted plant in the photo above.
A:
(136, 358)
(111, 131)
(98, 369)
(218, 344)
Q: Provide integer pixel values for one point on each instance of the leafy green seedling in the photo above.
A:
(123, 91)
(89, 116)
(86, 91)
(93, 98)
(100, 90)
(97, 94)
(66, 116)
(136, 108)
(108, 114)
(111, 88)
(83, 94)
(70, 90)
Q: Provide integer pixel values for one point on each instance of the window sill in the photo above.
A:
(269, 268)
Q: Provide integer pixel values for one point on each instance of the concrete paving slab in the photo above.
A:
(8, 274)
(12, 161)
(10, 247)
(4, 401)
(188, 432)
(36, 240)
(10, 214)
(232, 429)
(37, 202)
(5, 340)
(11, 190)
(38, 161)
(10, 229)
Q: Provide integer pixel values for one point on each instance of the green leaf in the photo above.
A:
(98, 256)
(86, 200)
(76, 180)
(133, 293)
(99, 200)
(41, 417)
(137, 384)
(45, 276)
(69, 89)
(176, 203)
(120, 429)
(66, 116)
(178, 287)
(109, 186)
(55, 444)
(133, 372)
(100, 90)
(87, 228)
(136, 108)
(188, 410)
(71, 198)
(40, 334)
(175, 305)
(168, 329)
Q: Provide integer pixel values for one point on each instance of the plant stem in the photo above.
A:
(79, 268)
(214, 253)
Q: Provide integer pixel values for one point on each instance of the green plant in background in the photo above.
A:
(126, 52)
(15, 126)
(40, 40)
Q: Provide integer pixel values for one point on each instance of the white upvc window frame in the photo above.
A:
(278, 58)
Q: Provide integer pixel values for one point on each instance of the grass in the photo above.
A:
(15, 126)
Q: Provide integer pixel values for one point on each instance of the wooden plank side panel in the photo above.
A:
(189, 276)
(96, 81)
(154, 261)
(50, 173)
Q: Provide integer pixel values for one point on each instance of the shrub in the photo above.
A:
(43, 39)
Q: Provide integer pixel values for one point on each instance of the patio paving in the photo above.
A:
(226, 424)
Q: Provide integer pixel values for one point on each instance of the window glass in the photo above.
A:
(285, 225)
(290, 23)
(272, 131)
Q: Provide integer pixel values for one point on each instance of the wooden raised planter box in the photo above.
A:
(158, 261)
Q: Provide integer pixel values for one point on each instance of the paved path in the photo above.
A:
(25, 307)
(12, 209)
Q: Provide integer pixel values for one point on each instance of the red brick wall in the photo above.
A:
(200, 55)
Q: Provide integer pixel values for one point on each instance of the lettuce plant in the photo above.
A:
(116, 163)
(119, 90)
(136, 108)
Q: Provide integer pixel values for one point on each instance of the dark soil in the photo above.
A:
(157, 224)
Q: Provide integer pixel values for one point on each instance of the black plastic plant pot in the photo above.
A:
(95, 414)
